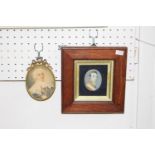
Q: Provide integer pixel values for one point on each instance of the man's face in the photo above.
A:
(93, 77)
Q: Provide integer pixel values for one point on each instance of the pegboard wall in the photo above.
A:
(17, 46)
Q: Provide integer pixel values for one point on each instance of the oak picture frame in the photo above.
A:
(72, 54)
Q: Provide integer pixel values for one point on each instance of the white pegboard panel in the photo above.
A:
(17, 46)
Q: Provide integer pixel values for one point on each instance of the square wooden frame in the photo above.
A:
(69, 54)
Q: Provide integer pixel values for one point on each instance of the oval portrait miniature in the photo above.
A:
(40, 81)
(93, 80)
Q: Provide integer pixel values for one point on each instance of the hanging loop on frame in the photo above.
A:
(38, 51)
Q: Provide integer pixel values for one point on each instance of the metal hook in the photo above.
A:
(38, 51)
(93, 35)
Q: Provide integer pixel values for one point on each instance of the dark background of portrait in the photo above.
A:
(83, 91)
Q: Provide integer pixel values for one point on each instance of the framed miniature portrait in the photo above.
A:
(93, 79)
(40, 81)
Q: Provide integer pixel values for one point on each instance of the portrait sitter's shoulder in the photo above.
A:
(89, 86)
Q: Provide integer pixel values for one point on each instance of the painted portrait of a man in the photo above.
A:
(92, 80)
